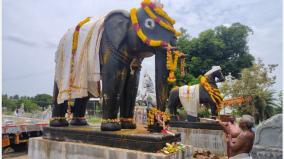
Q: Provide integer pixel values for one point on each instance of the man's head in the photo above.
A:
(246, 122)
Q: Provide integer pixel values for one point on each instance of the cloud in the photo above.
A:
(32, 30)
(20, 40)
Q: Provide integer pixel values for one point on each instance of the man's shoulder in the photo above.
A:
(247, 134)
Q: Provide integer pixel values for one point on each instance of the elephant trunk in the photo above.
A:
(161, 79)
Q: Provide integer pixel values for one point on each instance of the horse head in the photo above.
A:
(215, 72)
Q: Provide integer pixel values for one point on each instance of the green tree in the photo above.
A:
(224, 46)
(256, 82)
(278, 109)
(29, 105)
(43, 100)
(9, 103)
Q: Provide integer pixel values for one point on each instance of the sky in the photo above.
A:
(32, 30)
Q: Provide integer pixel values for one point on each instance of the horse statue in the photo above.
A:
(190, 97)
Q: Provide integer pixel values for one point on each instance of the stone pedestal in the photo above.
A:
(207, 136)
(40, 148)
(134, 139)
(268, 139)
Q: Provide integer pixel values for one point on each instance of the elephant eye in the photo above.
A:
(149, 23)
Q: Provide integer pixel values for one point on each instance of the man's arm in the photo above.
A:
(224, 125)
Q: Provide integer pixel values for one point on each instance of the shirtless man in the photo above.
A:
(231, 127)
(240, 146)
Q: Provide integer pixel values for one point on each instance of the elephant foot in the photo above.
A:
(78, 121)
(127, 123)
(155, 128)
(58, 122)
(174, 118)
(191, 118)
(110, 125)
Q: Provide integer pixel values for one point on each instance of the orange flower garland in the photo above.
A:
(172, 63)
(158, 10)
(153, 112)
(74, 49)
(214, 93)
(140, 33)
(159, 21)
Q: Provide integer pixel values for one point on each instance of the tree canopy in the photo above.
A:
(223, 46)
(30, 103)
(255, 81)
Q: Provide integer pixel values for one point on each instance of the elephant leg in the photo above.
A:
(127, 101)
(114, 75)
(79, 112)
(58, 111)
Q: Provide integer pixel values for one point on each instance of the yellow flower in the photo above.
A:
(214, 93)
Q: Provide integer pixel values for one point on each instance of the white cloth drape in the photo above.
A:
(86, 63)
(189, 98)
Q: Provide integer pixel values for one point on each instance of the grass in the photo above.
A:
(94, 120)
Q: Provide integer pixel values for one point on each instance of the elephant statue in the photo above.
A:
(127, 39)
(190, 97)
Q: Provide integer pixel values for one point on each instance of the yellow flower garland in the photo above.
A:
(160, 22)
(172, 64)
(158, 10)
(110, 120)
(153, 112)
(140, 33)
(74, 49)
(214, 93)
(182, 65)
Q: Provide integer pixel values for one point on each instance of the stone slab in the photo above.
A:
(40, 148)
(135, 139)
(268, 139)
(195, 125)
(212, 140)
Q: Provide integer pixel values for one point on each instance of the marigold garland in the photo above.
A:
(160, 21)
(110, 120)
(172, 63)
(74, 49)
(153, 112)
(182, 65)
(158, 10)
(213, 92)
(140, 33)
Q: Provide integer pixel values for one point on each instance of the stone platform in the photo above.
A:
(133, 139)
(195, 125)
(208, 136)
(40, 148)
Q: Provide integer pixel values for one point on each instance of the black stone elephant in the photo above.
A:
(121, 54)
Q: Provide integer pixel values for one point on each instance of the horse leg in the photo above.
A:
(206, 99)
(58, 110)
(173, 103)
(213, 108)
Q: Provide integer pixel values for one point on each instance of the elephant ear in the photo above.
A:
(116, 26)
